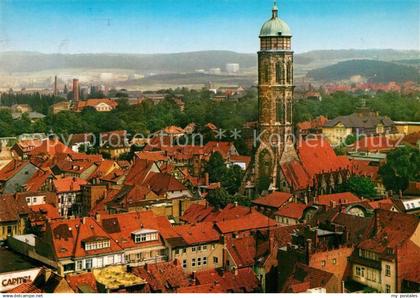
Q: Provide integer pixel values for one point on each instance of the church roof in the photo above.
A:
(275, 26)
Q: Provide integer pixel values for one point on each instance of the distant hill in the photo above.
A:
(178, 62)
(375, 71)
(12, 62)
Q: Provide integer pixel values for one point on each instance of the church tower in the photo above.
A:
(275, 96)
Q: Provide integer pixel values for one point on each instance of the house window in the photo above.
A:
(215, 260)
(193, 248)
(184, 264)
(184, 250)
(387, 288)
(88, 264)
(204, 247)
(199, 262)
(360, 271)
(199, 248)
(193, 262)
(204, 260)
(334, 261)
(79, 265)
(387, 270)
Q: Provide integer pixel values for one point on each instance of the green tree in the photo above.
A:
(216, 167)
(402, 166)
(361, 186)
(218, 198)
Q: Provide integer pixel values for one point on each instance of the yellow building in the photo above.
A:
(197, 247)
(406, 127)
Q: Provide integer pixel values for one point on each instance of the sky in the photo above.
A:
(167, 26)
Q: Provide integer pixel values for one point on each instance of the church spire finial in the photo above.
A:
(275, 9)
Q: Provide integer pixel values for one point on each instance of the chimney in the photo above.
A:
(194, 277)
(75, 92)
(55, 86)
(84, 220)
(98, 217)
(206, 178)
(308, 249)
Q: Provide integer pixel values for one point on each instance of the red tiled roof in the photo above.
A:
(27, 287)
(305, 277)
(152, 155)
(121, 226)
(28, 145)
(139, 171)
(244, 280)
(391, 230)
(93, 102)
(38, 180)
(203, 232)
(12, 208)
(51, 148)
(296, 175)
(11, 169)
(292, 210)
(362, 168)
(275, 199)
(68, 184)
(82, 279)
(68, 237)
(231, 211)
(374, 144)
(162, 277)
(251, 221)
(317, 156)
(196, 213)
(386, 204)
(48, 211)
(337, 198)
(162, 183)
(242, 250)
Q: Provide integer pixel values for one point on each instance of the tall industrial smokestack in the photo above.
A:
(75, 93)
(55, 86)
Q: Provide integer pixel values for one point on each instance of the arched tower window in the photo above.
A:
(279, 73)
(289, 72)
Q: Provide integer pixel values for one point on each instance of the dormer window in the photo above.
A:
(145, 235)
(96, 243)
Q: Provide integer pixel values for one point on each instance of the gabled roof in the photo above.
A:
(343, 198)
(82, 280)
(140, 171)
(68, 184)
(120, 227)
(162, 277)
(11, 169)
(374, 144)
(252, 221)
(203, 232)
(196, 213)
(242, 250)
(162, 183)
(362, 119)
(274, 200)
(38, 180)
(69, 235)
(93, 102)
(152, 155)
(390, 230)
(244, 280)
(292, 210)
(12, 208)
(51, 147)
(304, 278)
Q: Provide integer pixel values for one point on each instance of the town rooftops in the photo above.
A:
(337, 199)
(203, 232)
(162, 277)
(68, 184)
(12, 208)
(361, 119)
(390, 230)
(292, 210)
(252, 221)
(273, 200)
(12, 262)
